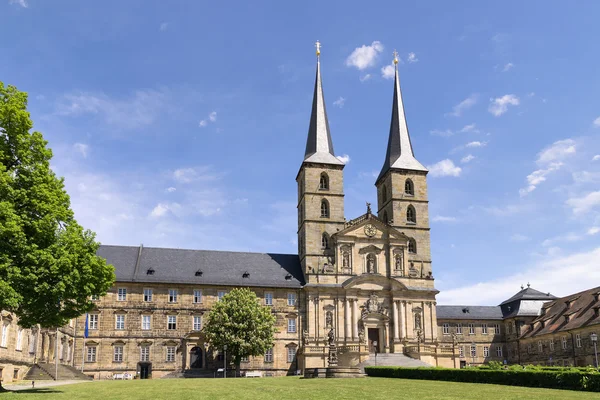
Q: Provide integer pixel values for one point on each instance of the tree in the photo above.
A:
(48, 263)
(241, 323)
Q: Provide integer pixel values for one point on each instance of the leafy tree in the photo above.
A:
(48, 263)
(240, 322)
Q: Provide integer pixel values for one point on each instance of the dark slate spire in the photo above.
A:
(399, 153)
(319, 147)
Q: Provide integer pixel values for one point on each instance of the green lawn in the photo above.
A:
(293, 388)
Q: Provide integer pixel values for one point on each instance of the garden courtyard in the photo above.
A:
(292, 388)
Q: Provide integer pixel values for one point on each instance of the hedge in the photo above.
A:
(571, 380)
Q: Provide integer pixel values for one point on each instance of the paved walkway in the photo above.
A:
(25, 385)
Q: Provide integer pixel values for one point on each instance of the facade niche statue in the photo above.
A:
(329, 319)
(370, 263)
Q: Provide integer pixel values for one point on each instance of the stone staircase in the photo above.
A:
(46, 371)
(193, 373)
(392, 360)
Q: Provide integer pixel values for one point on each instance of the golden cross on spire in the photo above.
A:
(318, 46)
(395, 53)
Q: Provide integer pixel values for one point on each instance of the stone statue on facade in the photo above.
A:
(332, 359)
(370, 263)
(329, 319)
(361, 335)
(331, 336)
(305, 337)
(418, 321)
(372, 305)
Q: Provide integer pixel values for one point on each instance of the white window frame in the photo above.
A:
(173, 295)
(148, 295)
(144, 353)
(119, 322)
(471, 329)
(171, 322)
(118, 353)
(499, 351)
(197, 322)
(486, 351)
(473, 351)
(268, 298)
(291, 325)
(291, 354)
(459, 329)
(269, 355)
(291, 299)
(484, 329)
(461, 351)
(171, 350)
(91, 353)
(551, 344)
(497, 329)
(5, 329)
(146, 322)
(121, 294)
(197, 296)
(93, 321)
(221, 294)
(578, 340)
(19, 344)
(564, 342)
(446, 328)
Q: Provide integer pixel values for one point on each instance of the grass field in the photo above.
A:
(292, 388)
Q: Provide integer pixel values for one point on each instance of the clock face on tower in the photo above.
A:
(370, 230)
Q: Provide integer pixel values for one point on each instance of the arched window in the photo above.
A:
(324, 209)
(325, 241)
(383, 194)
(409, 188)
(412, 246)
(324, 182)
(411, 215)
(385, 217)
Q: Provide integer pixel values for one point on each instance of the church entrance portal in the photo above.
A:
(374, 344)
(196, 357)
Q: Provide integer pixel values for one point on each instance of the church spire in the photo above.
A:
(399, 153)
(319, 147)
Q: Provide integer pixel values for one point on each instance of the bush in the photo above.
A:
(571, 380)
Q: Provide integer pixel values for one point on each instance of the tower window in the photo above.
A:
(409, 188)
(411, 215)
(324, 182)
(412, 246)
(325, 241)
(324, 209)
(385, 217)
(383, 194)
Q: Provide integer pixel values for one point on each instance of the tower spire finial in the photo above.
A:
(395, 54)
(318, 46)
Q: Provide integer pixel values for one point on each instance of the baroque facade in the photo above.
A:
(367, 282)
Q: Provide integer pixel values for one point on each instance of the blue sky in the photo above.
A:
(183, 123)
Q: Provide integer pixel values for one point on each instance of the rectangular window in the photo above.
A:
(120, 321)
(578, 340)
(528, 348)
(446, 328)
(497, 329)
(268, 299)
(118, 353)
(172, 295)
(91, 354)
(4, 334)
(291, 325)
(171, 353)
(121, 294)
(484, 329)
(473, 351)
(93, 321)
(540, 346)
(499, 351)
(147, 295)
(291, 299)
(461, 352)
(145, 353)
(95, 297)
(459, 329)
(269, 356)
(146, 322)
(486, 351)
(19, 345)
(172, 322)
(564, 342)
(291, 354)
(220, 294)
(197, 296)
(551, 344)
(197, 323)
(244, 359)
(471, 329)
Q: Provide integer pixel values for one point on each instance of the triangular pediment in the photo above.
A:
(370, 226)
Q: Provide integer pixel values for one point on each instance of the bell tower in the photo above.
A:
(320, 191)
(402, 187)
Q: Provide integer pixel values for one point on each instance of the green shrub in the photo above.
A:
(572, 380)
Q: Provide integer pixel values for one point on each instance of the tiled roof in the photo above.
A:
(469, 312)
(228, 268)
(529, 294)
(581, 311)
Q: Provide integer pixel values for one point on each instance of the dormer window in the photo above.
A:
(246, 274)
(150, 271)
(288, 277)
(198, 273)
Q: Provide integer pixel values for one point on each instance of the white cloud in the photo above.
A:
(365, 56)
(444, 168)
(586, 177)
(593, 230)
(345, 158)
(82, 149)
(365, 78)
(539, 176)
(187, 175)
(440, 218)
(505, 211)
(549, 160)
(508, 66)
(446, 133)
(340, 102)
(559, 275)
(517, 237)
(22, 3)
(202, 123)
(160, 210)
(164, 26)
(412, 58)
(582, 205)
(464, 105)
(469, 128)
(467, 158)
(597, 122)
(500, 105)
(476, 144)
(596, 157)
(170, 189)
(569, 237)
(388, 72)
(212, 116)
